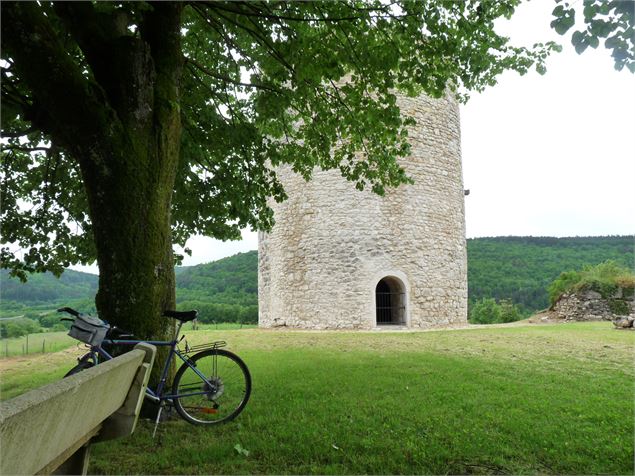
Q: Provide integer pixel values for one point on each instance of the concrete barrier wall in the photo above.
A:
(39, 426)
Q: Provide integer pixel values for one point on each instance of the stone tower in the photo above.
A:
(341, 258)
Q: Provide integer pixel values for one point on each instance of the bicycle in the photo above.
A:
(211, 387)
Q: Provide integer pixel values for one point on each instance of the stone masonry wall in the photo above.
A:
(320, 265)
(589, 305)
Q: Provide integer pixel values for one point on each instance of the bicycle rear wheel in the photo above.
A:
(219, 399)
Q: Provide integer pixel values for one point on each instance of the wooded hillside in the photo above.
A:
(516, 268)
(521, 268)
(223, 291)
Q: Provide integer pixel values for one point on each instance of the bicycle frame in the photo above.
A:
(155, 395)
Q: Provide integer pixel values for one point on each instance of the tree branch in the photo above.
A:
(254, 13)
(258, 36)
(227, 79)
(75, 105)
(23, 148)
(86, 27)
(14, 134)
(219, 28)
(161, 29)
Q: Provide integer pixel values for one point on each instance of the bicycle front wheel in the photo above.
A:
(83, 365)
(218, 398)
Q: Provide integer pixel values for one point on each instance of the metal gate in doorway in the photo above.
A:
(390, 304)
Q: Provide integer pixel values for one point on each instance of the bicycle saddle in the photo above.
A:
(183, 316)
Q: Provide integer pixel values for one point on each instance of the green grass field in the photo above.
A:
(44, 342)
(532, 399)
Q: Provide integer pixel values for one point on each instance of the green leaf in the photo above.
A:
(577, 38)
(590, 10)
(561, 25)
(565, 19)
(558, 11)
(240, 450)
(593, 41)
(581, 45)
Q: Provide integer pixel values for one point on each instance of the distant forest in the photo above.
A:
(521, 268)
(514, 268)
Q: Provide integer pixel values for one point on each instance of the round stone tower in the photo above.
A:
(341, 258)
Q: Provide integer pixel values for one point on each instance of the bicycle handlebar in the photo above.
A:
(72, 312)
(113, 331)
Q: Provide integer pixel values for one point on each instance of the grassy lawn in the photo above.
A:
(547, 399)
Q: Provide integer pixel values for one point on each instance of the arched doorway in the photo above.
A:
(390, 302)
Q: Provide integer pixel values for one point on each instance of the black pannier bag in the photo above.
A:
(117, 349)
(88, 329)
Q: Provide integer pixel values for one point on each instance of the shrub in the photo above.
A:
(18, 327)
(52, 321)
(562, 284)
(605, 278)
(628, 291)
(509, 311)
(485, 311)
(619, 307)
(488, 311)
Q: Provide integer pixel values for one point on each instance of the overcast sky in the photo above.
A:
(551, 155)
(548, 155)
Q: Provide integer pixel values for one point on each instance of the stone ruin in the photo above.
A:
(590, 305)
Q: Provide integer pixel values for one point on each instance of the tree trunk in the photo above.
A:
(130, 190)
(134, 246)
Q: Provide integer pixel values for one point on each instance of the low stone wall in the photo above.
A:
(589, 305)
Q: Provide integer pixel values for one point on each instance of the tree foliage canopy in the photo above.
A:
(258, 84)
(610, 20)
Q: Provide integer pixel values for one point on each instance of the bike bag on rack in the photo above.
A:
(88, 329)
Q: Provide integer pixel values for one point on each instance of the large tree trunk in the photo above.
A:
(133, 241)
(130, 184)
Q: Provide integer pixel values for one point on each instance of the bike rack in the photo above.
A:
(209, 346)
